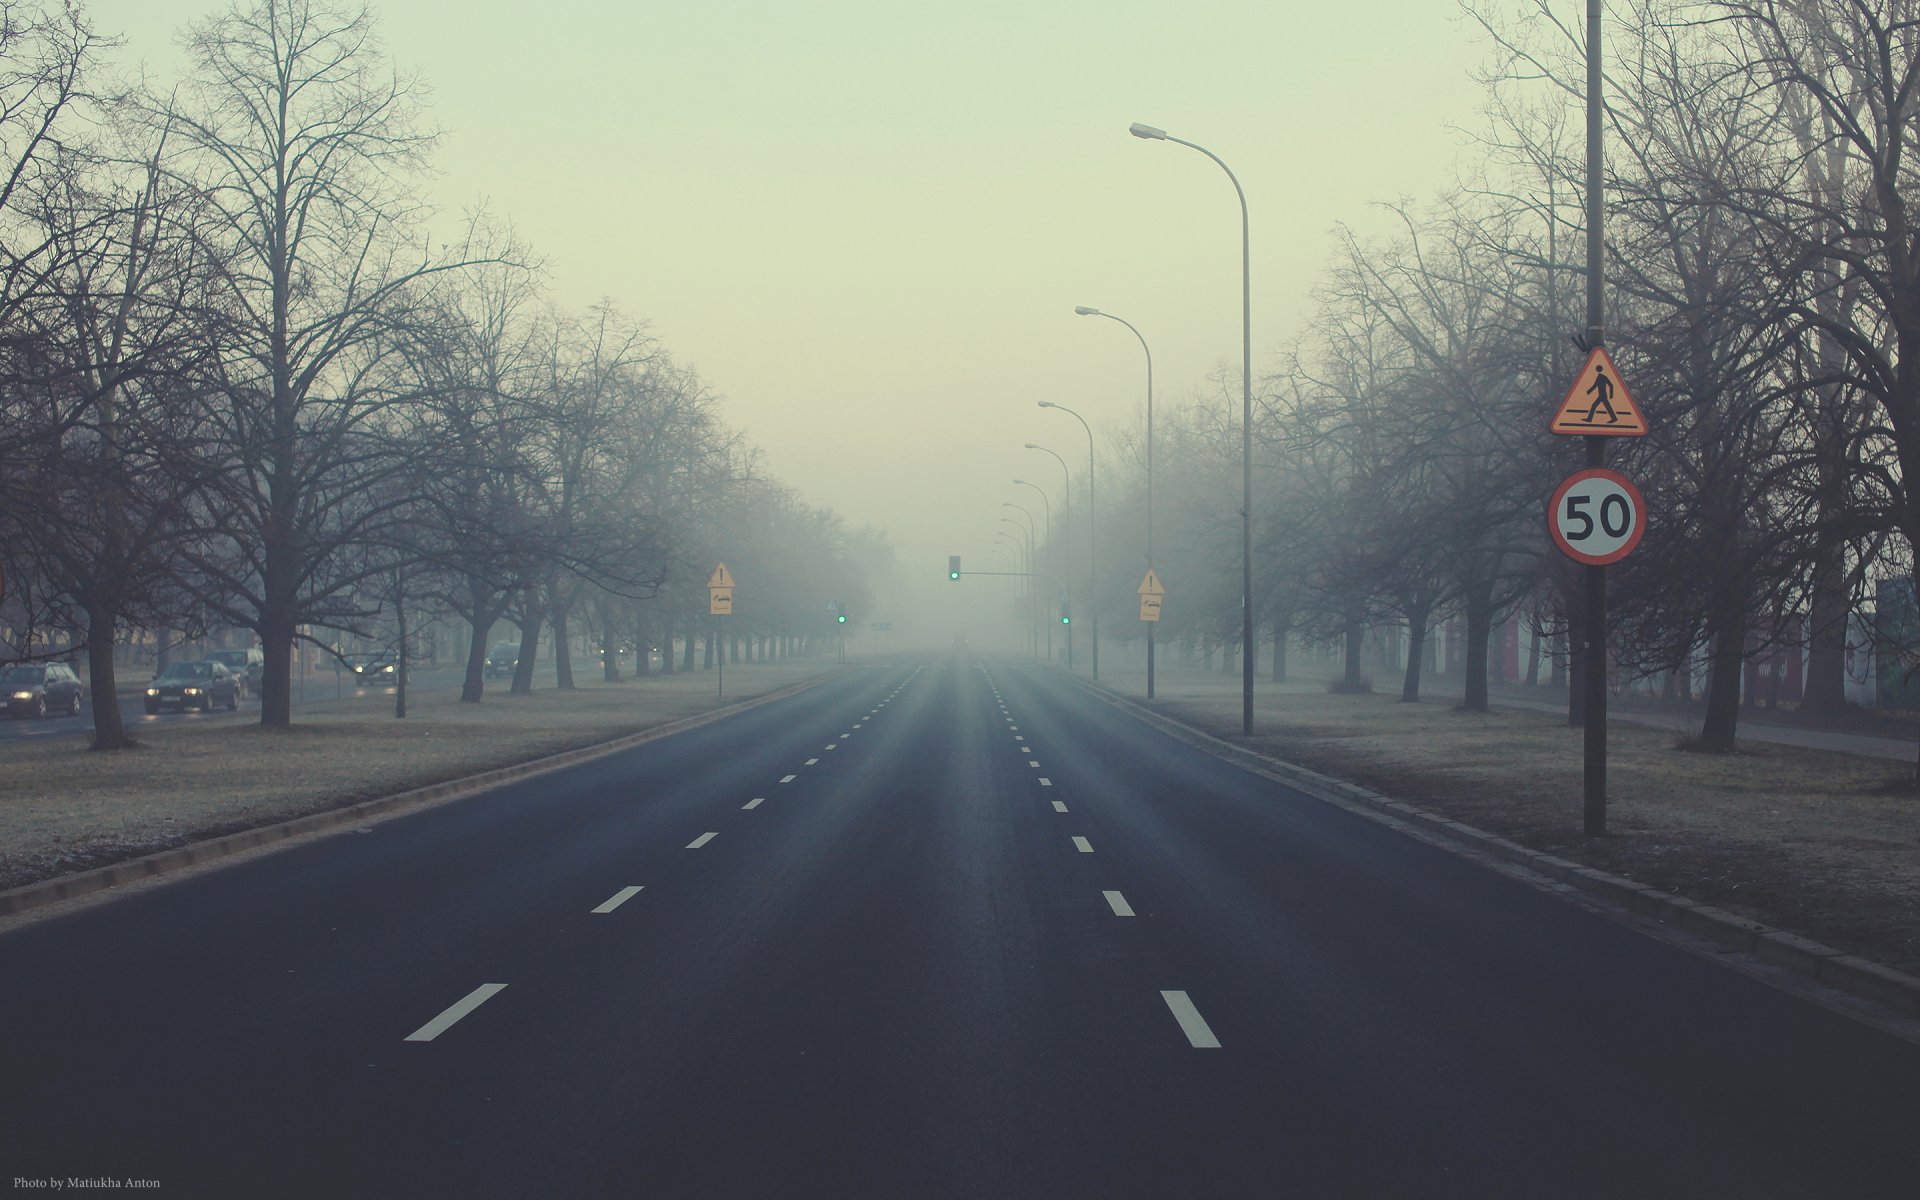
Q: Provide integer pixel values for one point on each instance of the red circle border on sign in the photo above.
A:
(1639, 524)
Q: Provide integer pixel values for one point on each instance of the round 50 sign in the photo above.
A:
(1596, 516)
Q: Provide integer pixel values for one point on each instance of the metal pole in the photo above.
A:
(1093, 533)
(1066, 523)
(1594, 798)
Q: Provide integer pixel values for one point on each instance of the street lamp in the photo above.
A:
(1066, 523)
(1032, 540)
(1093, 544)
(1151, 133)
(1085, 311)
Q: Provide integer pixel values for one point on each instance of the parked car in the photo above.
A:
(34, 691)
(198, 685)
(501, 660)
(246, 667)
(375, 668)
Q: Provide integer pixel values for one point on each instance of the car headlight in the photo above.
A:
(193, 691)
(153, 691)
(23, 695)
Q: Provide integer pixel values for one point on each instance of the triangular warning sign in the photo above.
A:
(1598, 403)
(721, 577)
(1150, 586)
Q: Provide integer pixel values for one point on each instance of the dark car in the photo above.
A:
(198, 685)
(246, 667)
(375, 668)
(36, 691)
(501, 660)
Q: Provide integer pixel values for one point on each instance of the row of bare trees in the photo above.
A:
(244, 384)
(1763, 276)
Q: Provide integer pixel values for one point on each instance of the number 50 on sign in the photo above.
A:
(1596, 516)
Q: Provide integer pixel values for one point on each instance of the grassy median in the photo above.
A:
(65, 808)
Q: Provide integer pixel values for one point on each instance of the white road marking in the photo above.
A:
(620, 897)
(1045, 782)
(1199, 1036)
(1120, 907)
(754, 803)
(788, 778)
(1033, 762)
(1059, 807)
(440, 1024)
(810, 762)
(702, 840)
(1083, 845)
(831, 745)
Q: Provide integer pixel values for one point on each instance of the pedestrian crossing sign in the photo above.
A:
(1598, 404)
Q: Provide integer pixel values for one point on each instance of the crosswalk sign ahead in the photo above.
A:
(1597, 405)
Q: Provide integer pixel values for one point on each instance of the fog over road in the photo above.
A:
(949, 927)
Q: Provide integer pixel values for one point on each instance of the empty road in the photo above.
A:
(948, 928)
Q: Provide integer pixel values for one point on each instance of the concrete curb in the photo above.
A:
(99, 879)
(1778, 947)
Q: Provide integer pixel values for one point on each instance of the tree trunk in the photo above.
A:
(1826, 684)
(1723, 683)
(109, 732)
(562, 651)
(1417, 617)
(475, 683)
(1479, 630)
(1280, 625)
(1533, 651)
(1356, 644)
(401, 659)
(276, 671)
(530, 623)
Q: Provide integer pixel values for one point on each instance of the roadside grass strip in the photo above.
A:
(1199, 1034)
(618, 898)
(445, 1021)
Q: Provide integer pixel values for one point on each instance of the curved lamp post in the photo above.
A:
(1093, 543)
(1151, 133)
(1086, 311)
(1066, 523)
(1033, 636)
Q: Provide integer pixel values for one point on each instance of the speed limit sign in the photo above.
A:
(1596, 516)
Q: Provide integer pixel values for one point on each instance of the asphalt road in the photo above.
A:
(947, 929)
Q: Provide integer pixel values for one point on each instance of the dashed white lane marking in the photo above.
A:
(811, 761)
(702, 840)
(440, 1024)
(620, 897)
(1083, 845)
(1199, 1036)
(831, 745)
(856, 726)
(788, 778)
(755, 802)
(1045, 782)
(1120, 907)
(1059, 807)
(1033, 762)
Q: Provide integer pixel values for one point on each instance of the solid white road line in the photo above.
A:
(1059, 807)
(1118, 903)
(1199, 1036)
(754, 803)
(702, 840)
(1083, 845)
(440, 1024)
(620, 897)
(788, 778)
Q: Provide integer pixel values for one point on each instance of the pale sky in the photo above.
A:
(867, 222)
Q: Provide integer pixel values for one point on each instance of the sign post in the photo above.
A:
(720, 604)
(1150, 593)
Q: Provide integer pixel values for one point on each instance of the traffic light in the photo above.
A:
(953, 566)
(1066, 613)
(840, 619)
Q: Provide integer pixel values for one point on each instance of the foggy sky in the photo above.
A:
(867, 222)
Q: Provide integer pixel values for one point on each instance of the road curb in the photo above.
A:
(1778, 947)
(99, 879)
